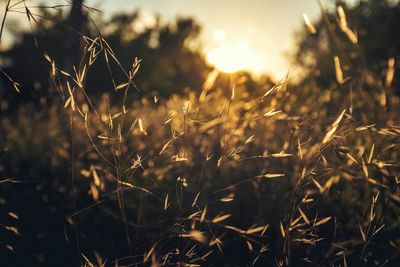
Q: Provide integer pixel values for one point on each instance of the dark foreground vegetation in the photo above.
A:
(121, 147)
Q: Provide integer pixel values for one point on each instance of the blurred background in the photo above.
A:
(181, 61)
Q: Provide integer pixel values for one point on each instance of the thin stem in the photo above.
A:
(4, 18)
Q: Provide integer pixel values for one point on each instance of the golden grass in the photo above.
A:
(191, 161)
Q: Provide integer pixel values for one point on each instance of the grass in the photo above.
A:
(285, 175)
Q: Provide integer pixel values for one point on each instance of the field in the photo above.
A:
(101, 167)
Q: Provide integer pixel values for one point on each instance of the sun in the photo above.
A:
(235, 57)
(219, 35)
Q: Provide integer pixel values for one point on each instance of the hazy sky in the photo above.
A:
(262, 29)
(267, 26)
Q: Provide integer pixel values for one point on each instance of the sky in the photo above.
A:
(262, 30)
(256, 35)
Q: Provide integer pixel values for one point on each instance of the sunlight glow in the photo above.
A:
(219, 35)
(235, 57)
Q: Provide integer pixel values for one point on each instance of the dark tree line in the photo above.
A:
(374, 22)
(169, 64)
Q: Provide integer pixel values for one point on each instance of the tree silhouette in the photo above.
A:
(374, 23)
(76, 23)
(169, 64)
